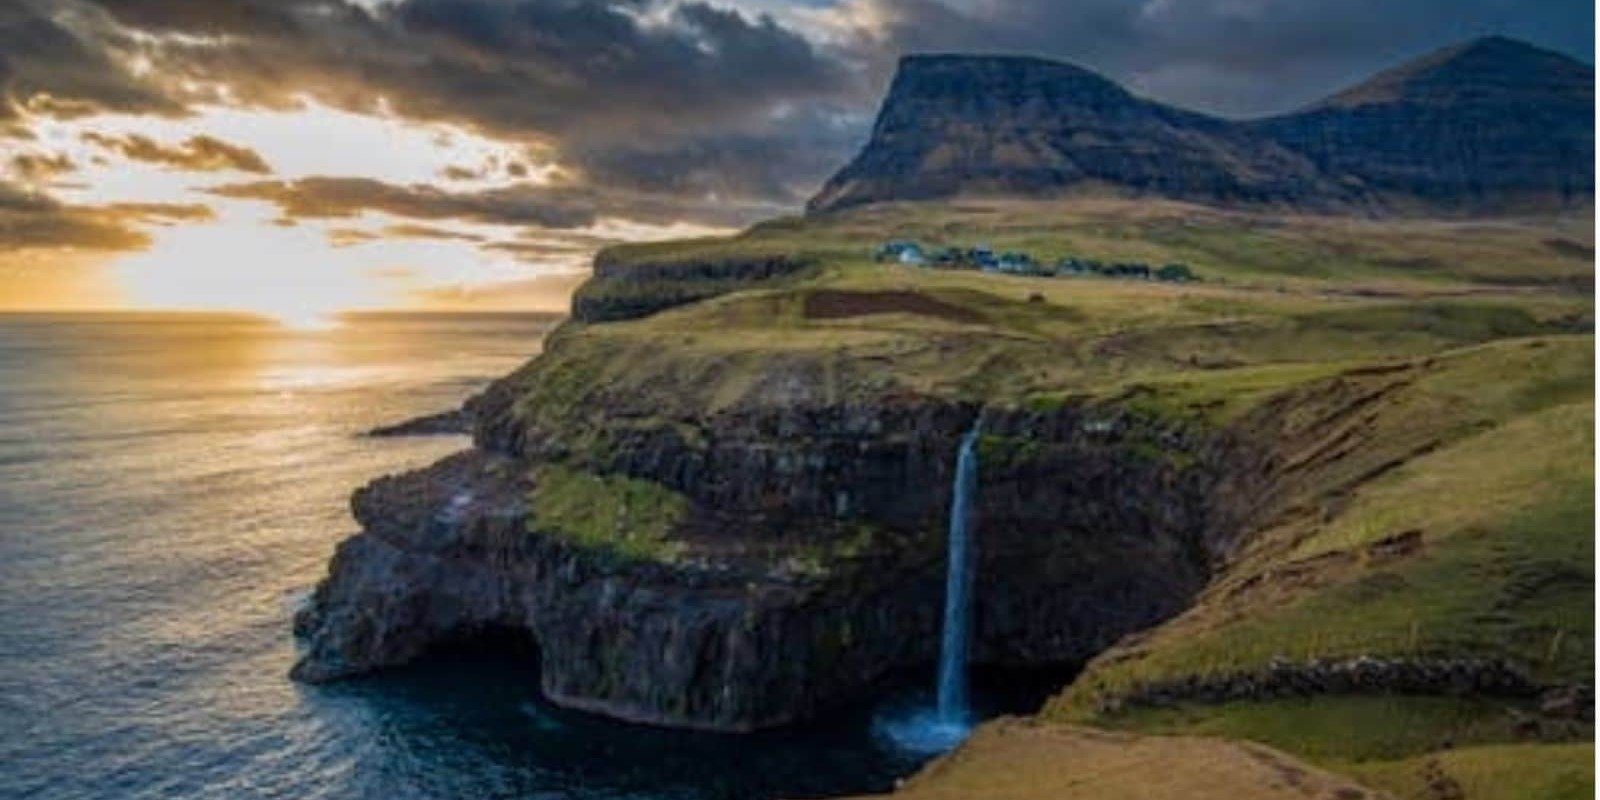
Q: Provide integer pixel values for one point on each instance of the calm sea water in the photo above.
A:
(171, 485)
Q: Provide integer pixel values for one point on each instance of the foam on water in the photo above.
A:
(923, 731)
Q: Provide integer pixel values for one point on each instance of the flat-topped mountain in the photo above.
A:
(1026, 126)
(1493, 123)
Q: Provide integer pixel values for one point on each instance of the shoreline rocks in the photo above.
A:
(454, 422)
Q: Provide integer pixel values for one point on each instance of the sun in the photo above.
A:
(241, 262)
(303, 319)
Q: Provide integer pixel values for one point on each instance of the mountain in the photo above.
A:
(1488, 124)
(1015, 125)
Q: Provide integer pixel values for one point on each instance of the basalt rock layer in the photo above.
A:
(810, 563)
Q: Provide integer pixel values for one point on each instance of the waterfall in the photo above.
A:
(937, 730)
(958, 585)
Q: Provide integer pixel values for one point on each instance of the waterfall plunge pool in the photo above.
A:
(483, 705)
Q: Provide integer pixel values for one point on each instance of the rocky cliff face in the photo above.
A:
(812, 558)
(1490, 125)
(627, 290)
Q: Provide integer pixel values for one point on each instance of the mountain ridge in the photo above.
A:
(1484, 125)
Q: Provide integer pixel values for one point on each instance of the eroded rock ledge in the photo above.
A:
(810, 561)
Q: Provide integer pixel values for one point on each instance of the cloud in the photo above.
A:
(585, 81)
(347, 237)
(61, 59)
(334, 198)
(524, 204)
(37, 169)
(161, 213)
(33, 220)
(568, 249)
(455, 172)
(199, 153)
(350, 237)
(410, 230)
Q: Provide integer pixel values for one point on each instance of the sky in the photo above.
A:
(296, 158)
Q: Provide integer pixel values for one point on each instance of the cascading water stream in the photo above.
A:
(958, 587)
(951, 720)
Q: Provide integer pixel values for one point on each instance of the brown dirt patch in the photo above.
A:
(1571, 249)
(1019, 760)
(837, 304)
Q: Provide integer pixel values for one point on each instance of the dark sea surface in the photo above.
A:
(172, 485)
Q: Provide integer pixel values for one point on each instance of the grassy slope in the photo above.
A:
(624, 518)
(1485, 441)
(1254, 249)
(1502, 497)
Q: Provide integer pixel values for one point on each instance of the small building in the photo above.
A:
(1129, 269)
(893, 250)
(1071, 267)
(1015, 263)
(983, 258)
(912, 254)
(950, 257)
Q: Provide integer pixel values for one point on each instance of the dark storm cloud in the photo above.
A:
(336, 198)
(551, 207)
(780, 161)
(60, 63)
(602, 86)
(551, 68)
(198, 153)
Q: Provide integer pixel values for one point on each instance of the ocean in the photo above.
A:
(172, 485)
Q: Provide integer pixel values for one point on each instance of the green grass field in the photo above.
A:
(1475, 337)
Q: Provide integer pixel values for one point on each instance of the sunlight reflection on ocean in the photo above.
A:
(166, 483)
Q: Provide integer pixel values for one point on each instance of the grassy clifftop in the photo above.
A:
(1427, 385)
(1261, 251)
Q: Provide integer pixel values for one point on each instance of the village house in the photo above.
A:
(898, 250)
(1016, 262)
(983, 258)
(950, 257)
